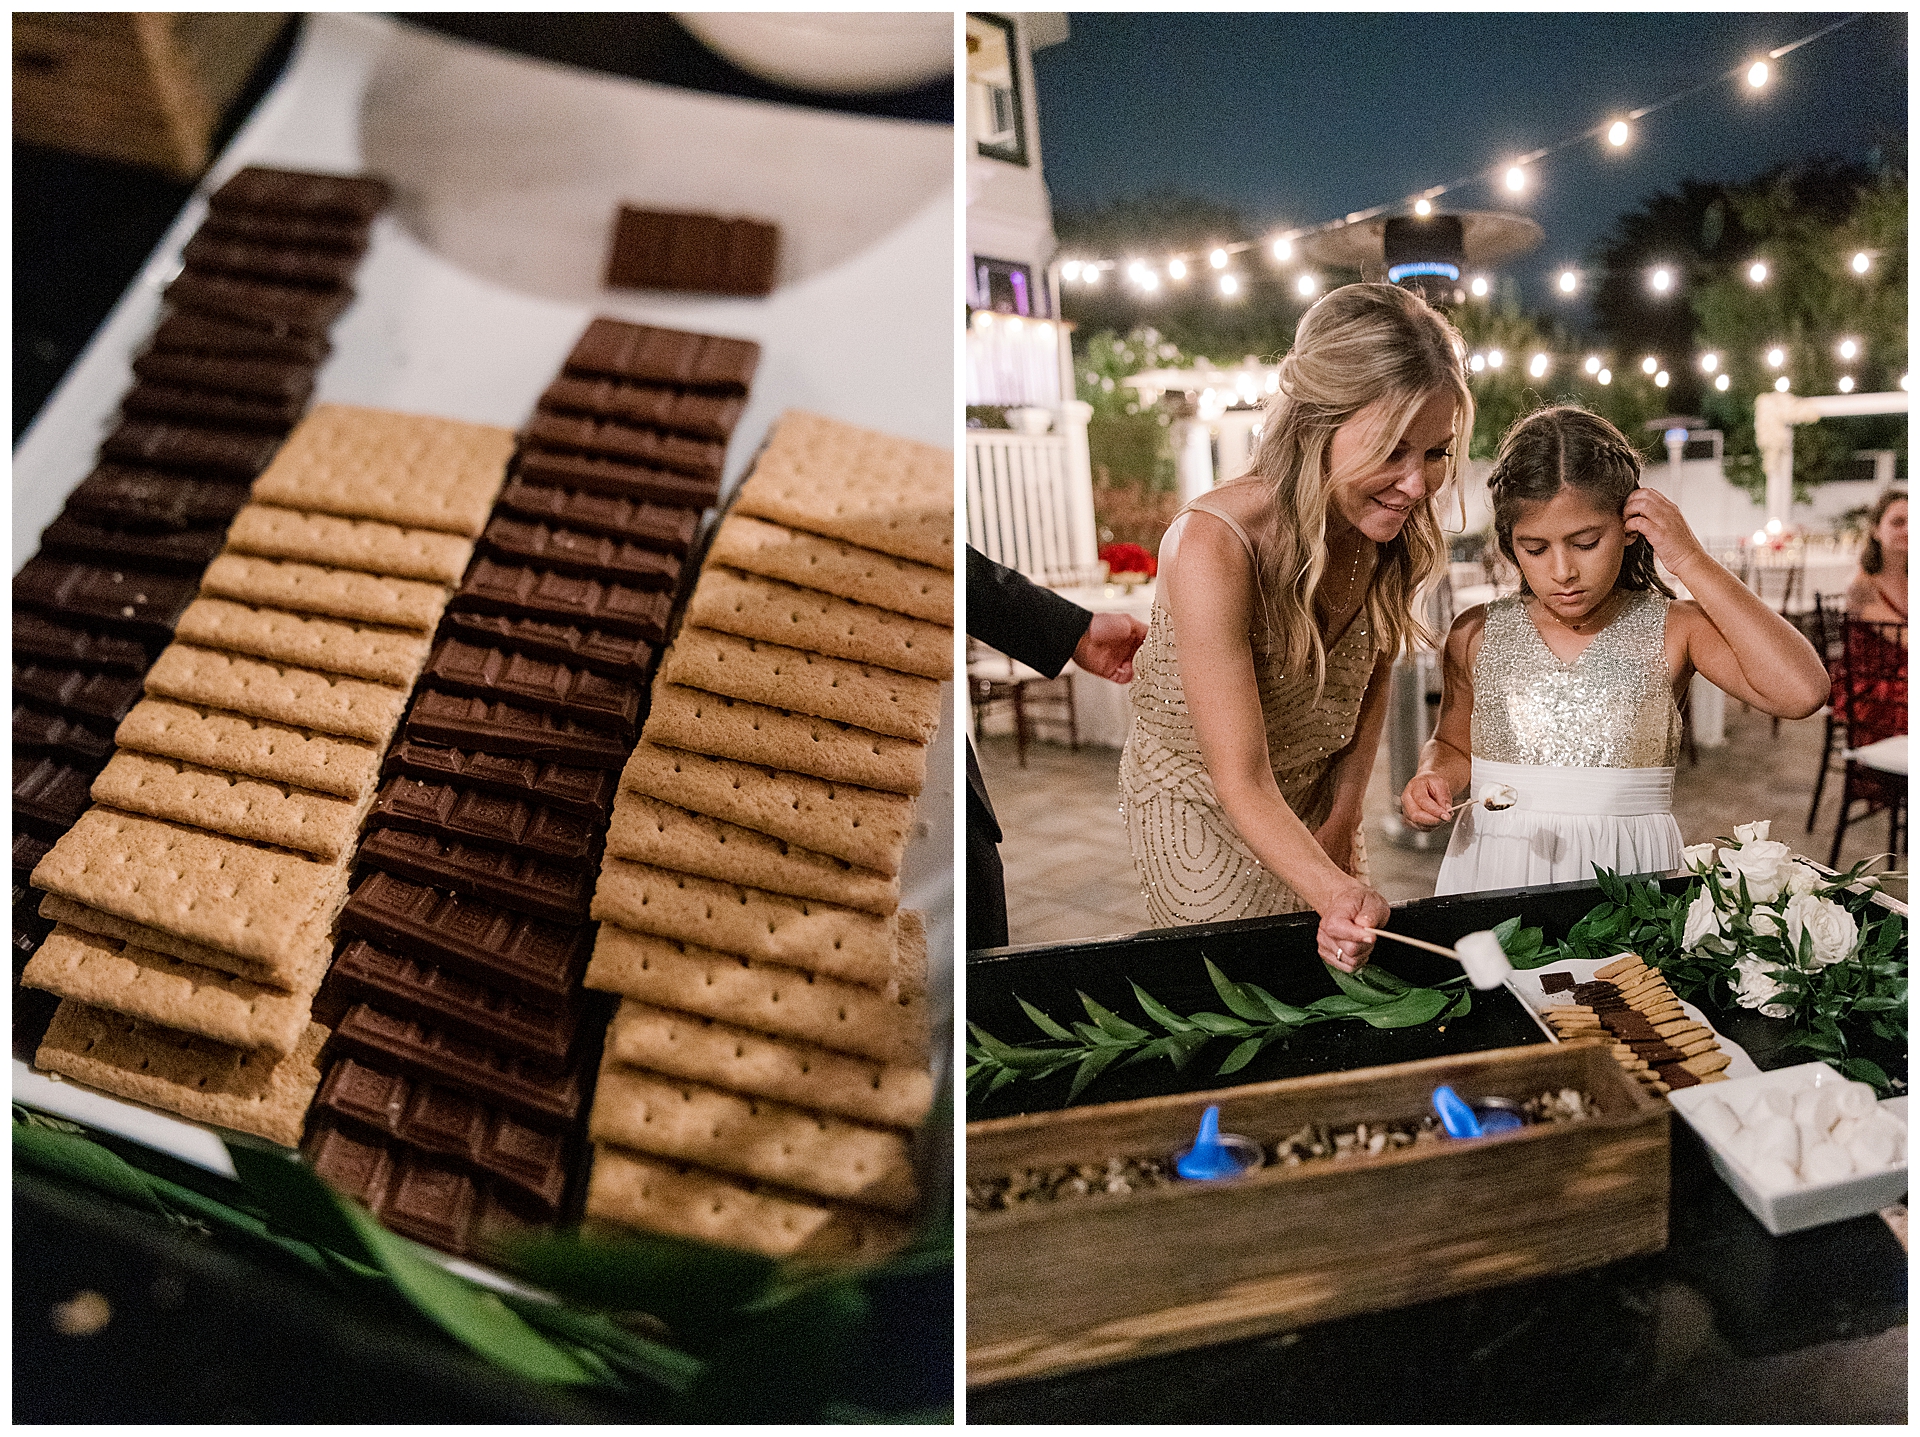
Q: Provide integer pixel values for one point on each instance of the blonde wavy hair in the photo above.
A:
(1361, 345)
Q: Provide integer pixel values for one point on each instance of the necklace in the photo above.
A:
(1591, 619)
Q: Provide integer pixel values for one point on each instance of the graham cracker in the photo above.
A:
(386, 656)
(803, 932)
(649, 830)
(754, 733)
(270, 532)
(870, 489)
(684, 1201)
(252, 747)
(861, 825)
(771, 997)
(803, 682)
(300, 974)
(272, 813)
(833, 566)
(1618, 965)
(220, 892)
(317, 589)
(755, 1138)
(682, 1045)
(180, 1073)
(404, 469)
(783, 613)
(303, 698)
(139, 983)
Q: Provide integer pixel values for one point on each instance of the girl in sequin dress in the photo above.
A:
(1259, 693)
(1566, 692)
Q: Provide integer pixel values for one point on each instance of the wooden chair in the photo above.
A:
(1875, 696)
(992, 678)
(1823, 631)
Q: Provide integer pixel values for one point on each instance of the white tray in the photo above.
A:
(1525, 985)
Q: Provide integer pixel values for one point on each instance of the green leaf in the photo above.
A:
(691, 1286)
(784, 1363)
(1245, 1053)
(627, 1354)
(1043, 1022)
(1091, 1067)
(84, 1161)
(1462, 1005)
(1505, 930)
(1221, 1024)
(1863, 1070)
(1380, 978)
(1282, 1012)
(1409, 1009)
(1356, 988)
(1113, 1025)
(1159, 1011)
(1234, 996)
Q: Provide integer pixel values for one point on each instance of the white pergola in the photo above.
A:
(1775, 414)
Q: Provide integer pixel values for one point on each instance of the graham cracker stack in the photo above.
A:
(196, 900)
(771, 1052)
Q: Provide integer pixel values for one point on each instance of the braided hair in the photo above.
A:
(1567, 447)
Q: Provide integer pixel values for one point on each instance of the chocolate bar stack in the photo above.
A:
(771, 1053)
(1653, 1038)
(458, 1068)
(227, 374)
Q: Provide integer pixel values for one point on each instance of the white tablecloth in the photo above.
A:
(1099, 705)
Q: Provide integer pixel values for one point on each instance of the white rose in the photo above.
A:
(1699, 857)
(1752, 832)
(1764, 922)
(1832, 927)
(1764, 865)
(1703, 921)
(1756, 985)
(1804, 880)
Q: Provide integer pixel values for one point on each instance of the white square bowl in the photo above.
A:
(1793, 1209)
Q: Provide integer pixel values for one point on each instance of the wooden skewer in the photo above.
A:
(1415, 943)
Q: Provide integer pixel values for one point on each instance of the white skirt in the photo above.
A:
(1565, 822)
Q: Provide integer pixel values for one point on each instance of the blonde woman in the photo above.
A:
(1260, 691)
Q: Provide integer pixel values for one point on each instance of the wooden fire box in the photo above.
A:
(1082, 1282)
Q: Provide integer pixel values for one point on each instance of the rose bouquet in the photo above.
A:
(1760, 929)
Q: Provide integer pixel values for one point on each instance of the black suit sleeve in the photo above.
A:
(1019, 618)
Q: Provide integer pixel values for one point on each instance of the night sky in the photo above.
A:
(1300, 118)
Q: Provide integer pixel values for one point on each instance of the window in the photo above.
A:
(995, 113)
(1007, 287)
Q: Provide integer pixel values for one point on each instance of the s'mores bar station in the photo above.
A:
(482, 761)
(1472, 1181)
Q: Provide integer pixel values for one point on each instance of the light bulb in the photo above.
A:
(1568, 281)
(983, 319)
(1477, 363)
(1660, 380)
(1757, 76)
(1135, 269)
(1759, 536)
(1846, 384)
(1774, 527)
(1090, 276)
(1177, 268)
(1479, 287)
(1617, 133)
(1649, 364)
(1605, 376)
(1757, 272)
(1537, 366)
(1721, 383)
(1782, 384)
(1070, 270)
(1218, 259)
(1661, 280)
(1149, 281)
(1308, 284)
(1593, 364)
(1495, 359)
(1423, 208)
(1848, 348)
(1229, 285)
(1283, 249)
(1776, 357)
(1516, 179)
(1860, 262)
(1709, 362)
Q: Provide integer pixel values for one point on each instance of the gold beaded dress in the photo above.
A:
(1587, 747)
(1193, 864)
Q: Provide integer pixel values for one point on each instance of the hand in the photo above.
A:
(1657, 519)
(1343, 939)
(1106, 649)
(1335, 838)
(1427, 801)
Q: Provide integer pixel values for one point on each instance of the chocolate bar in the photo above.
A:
(443, 999)
(186, 333)
(568, 551)
(708, 254)
(35, 637)
(155, 499)
(646, 354)
(591, 699)
(81, 692)
(36, 730)
(212, 406)
(518, 881)
(587, 792)
(530, 959)
(264, 304)
(357, 198)
(491, 818)
(618, 656)
(384, 1041)
(287, 264)
(201, 451)
(429, 1199)
(1556, 982)
(651, 526)
(476, 723)
(309, 231)
(183, 551)
(656, 406)
(285, 379)
(615, 477)
(656, 447)
(524, 592)
(27, 853)
(1674, 1075)
(51, 791)
(449, 1124)
(138, 605)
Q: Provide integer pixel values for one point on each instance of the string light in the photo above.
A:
(1537, 366)
(1495, 359)
(1617, 133)
(1516, 179)
(1218, 259)
(1860, 262)
(1568, 281)
(1150, 281)
(1848, 348)
(1661, 280)
(1722, 383)
(1090, 276)
(1649, 365)
(1709, 362)
(1283, 250)
(1308, 284)
(1592, 365)
(1605, 376)
(1479, 287)
(1477, 363)
(1177, 268)
(1776, 357)
(1423, 208)
(1782, 384)
(1661, 379)
(1846, 384)
(1757, 76)
(1070, 270)
(1229, 285)
(1757, 271)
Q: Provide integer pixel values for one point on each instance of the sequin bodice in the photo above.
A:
(1612, 707)
(1194, 866)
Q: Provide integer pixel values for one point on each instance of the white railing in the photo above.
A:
(1030, 500)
